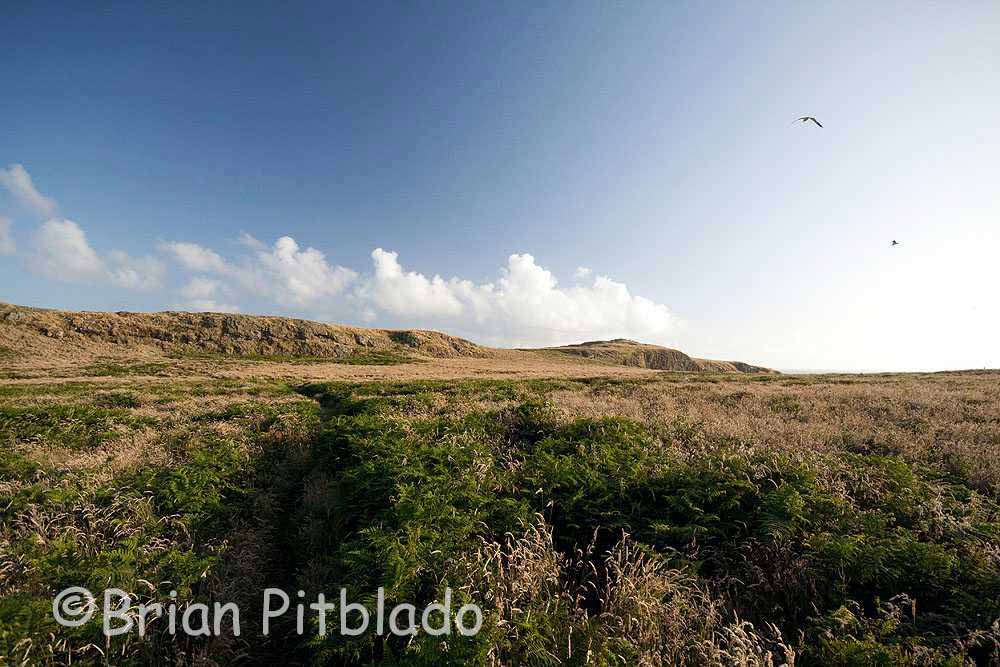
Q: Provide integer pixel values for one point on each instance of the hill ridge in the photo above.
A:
(40, 332)
(626, 352)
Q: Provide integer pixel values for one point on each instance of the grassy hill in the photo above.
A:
(79, 336)
(624, 352)
(48, 332)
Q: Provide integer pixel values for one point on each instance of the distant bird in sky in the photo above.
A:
(806, 119)
(895, 242)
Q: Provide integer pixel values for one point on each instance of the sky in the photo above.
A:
(519, 173)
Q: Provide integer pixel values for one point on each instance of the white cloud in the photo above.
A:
(200, 287)
(61, 249)
(7, 246)
(301, 276)
(531, 308)
(201, 293)
(195, 257)
(285, 273)
(525, 306)
(408, 293)
(62, 252)
(248, 240)
(142, 273)
(18, 182)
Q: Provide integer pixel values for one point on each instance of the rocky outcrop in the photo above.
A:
(53, 334)
(237, 335)
(624, 352)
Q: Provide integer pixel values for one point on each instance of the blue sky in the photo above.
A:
(648, 142)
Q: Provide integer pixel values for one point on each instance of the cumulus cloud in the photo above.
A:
(526, 305)
(7, 246)
(63, 253)
(17, 181)
(200, 287)
(141, 273)
(408, 293)
(286, 273)
(248, 240)
(201, 294)
(302, 276)
(195, 257)
(61, 250)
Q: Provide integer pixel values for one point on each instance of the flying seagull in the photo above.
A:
(806, 119)
(895, 242)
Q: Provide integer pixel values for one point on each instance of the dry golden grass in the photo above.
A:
(949, 418)
(153, 369)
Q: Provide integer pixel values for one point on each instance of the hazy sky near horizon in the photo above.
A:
(519, 173)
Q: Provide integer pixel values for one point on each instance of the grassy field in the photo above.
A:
(670, 519)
